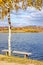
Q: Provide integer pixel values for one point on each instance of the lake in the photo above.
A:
(28, 42)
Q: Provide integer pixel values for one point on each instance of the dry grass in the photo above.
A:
(20, 60)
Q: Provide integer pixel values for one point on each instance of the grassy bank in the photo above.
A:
(18, 60)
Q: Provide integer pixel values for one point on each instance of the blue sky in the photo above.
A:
(27, 17)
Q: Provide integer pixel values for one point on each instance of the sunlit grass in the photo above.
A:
(20, 60)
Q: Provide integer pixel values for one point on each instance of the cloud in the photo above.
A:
(31, 16)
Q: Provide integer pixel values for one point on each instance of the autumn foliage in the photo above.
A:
(15, 5)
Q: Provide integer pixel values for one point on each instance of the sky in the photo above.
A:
(30, 16)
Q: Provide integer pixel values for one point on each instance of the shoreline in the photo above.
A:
(19, 61)
(19, 32)
(26, 29)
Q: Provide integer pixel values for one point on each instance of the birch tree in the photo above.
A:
(8, 5)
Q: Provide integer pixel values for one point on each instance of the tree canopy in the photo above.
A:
(18, 4)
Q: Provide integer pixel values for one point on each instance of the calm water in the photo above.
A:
(28, 42)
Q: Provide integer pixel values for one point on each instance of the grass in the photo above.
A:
(20, 60)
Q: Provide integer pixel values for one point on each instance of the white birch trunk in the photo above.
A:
(9, 37)
(9, 41)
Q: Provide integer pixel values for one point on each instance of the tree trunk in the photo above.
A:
(9, 37)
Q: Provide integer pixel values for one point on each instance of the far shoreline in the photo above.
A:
(21, 32)
(26, 29)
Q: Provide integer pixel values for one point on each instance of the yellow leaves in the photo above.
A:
(9, 0)
(0, 1)
(6, 1)
(16, 7)
(16, 1)
(10, 5)
(25, 3)
(38, 4)
(29, 3)
(2, 4)
(4, 13)
(23, 7)
(0, 14)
